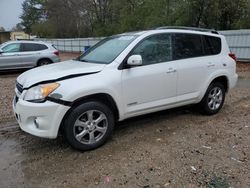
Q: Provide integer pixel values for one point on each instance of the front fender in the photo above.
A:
(80, 87)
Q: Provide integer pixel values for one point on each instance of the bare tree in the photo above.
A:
(2, 29)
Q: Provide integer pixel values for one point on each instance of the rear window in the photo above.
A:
(54, 46)
(187, 46)
(26, 47)
(212, 45)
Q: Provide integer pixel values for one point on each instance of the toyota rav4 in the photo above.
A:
(123, 76)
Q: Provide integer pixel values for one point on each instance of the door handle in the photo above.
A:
(171, 70)
(210, 64)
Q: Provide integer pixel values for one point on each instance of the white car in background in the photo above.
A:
(27, 54)
(124, 76)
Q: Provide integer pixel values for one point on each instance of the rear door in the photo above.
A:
(9, 59)
(31, 53)
(193, 66)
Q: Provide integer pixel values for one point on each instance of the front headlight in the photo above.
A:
(40, 92)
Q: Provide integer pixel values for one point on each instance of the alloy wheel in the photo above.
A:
(215, 98)
(90, 127)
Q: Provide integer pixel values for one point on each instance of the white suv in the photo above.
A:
(121, 77)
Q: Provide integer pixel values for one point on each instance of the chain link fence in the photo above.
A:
(73, 44)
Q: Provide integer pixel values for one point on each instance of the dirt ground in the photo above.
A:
(173, 148)
(243, 70)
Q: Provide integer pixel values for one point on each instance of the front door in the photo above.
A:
(153, 84)
(9, 58)
(30, 53)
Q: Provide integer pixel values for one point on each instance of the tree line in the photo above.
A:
(85, 18)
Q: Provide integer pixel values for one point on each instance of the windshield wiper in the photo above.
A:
(87, 61)
(83, 60)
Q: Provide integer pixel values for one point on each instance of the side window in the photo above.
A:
(212, 45)
(156, 49)
(15, 47)
(41, 47)
(187, 46)
(29, 47)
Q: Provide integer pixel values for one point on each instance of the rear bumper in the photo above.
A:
(56, 59)
(39, 119)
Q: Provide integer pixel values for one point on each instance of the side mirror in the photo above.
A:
(1, 51)
(134, 60)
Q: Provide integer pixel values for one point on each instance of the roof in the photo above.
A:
(175, 29)
(189, 28)
(25, 41)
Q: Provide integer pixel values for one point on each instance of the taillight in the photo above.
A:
(56, 53)
(233, 56)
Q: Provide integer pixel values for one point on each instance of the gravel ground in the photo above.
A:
(173, 148)
(244, 70)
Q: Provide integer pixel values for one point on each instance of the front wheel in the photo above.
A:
(88, 126)
(213, 100)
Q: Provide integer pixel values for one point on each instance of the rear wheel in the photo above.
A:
(88, 126)
(43, 62)
(213, 100)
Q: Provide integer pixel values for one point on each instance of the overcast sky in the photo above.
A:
(10, 10)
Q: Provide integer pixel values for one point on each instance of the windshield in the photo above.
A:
(107, 50)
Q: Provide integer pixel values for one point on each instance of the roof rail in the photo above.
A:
(189, 28)
(25, 39)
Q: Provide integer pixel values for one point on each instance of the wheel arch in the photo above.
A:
(223, 80)
(43, 58)
(100, 97)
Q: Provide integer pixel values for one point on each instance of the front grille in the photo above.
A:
(19, 87)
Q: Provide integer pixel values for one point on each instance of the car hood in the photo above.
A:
(58, 71)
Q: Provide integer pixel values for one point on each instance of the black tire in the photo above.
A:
(43, 62)
(205, 105)
(70, 127)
